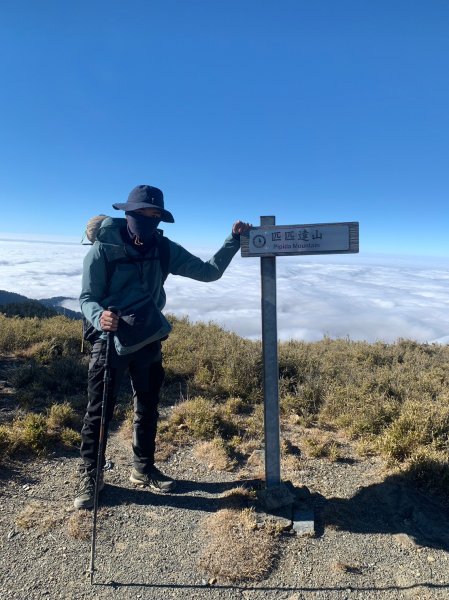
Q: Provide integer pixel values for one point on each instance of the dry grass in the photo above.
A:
(391, 399)
(40, 516)
(62, 415)
(320, 444)
(125, 430)
(235, 548)
(215, 455)
(79, 525)
(21, 335)
(239, 497)
(203, 419)
(165, 444)
(214, 361)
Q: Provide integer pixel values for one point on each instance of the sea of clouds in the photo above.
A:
(359, 296)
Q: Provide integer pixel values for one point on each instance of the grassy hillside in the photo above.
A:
(389, 399)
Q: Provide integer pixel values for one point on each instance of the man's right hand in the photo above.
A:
(108, 321)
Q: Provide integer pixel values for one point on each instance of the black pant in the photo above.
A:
(147, 375)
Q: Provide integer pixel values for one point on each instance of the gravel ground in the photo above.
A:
(375, 538)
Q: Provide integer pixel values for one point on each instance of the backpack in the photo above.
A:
(90, 333)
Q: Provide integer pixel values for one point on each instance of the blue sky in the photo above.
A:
(317, 111)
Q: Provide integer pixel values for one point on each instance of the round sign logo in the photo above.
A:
(259, 241)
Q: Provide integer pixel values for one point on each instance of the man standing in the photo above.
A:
(126, 268)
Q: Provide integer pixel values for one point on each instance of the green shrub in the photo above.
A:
(37, 434)
(33, 433)
(62, 416)
(61, 378)
(430, 470)
(19, 334)
(202, 419)
(419, 425)
(70, 438)
(29, 308)
(216, 362)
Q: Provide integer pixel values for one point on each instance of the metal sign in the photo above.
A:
(286, 240)
(269, 241)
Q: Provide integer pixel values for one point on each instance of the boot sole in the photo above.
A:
(141, 483)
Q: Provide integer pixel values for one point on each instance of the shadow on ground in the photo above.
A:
(181, 499)
(391, 507)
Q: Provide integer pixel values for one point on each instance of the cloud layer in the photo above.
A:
(355, 296)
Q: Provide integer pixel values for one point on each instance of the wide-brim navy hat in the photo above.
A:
(146, 196)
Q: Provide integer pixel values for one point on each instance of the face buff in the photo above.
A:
(141, 228)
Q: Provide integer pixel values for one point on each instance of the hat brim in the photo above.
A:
(166, 216)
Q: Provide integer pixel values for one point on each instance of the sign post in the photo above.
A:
(268, 241)
(270, 366)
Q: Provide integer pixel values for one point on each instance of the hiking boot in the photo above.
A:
(154, 479)
(86, 489)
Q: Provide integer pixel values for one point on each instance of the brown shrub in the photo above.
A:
(215, 455)
(79, 525)
(38, 515)
(236, 548)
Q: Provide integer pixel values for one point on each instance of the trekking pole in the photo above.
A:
(106, 380)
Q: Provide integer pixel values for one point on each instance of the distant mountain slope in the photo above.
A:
(27, 308)
(10, 297)
(47, 307)
(56, 301)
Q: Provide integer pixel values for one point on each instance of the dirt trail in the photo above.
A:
(375, 537)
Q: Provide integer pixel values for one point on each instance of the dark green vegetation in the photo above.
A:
(12, 304)
(390, 399)
(29, 308)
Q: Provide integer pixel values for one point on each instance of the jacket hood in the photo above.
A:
(110, 231)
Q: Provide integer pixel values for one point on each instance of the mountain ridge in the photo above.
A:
(52, 303)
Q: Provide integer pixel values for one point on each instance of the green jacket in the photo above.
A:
(129, 284)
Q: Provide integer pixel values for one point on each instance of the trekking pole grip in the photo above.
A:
(109, 338)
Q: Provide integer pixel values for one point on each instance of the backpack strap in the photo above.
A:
(162, 254)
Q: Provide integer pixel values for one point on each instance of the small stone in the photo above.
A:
(212, 581)
(276, 497)
(11, 534)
